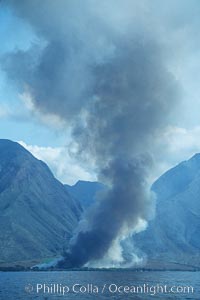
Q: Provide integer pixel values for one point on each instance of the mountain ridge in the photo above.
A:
(37, 214)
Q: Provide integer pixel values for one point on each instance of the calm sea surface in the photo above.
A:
(99, 285)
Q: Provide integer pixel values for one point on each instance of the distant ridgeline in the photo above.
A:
(38, 214)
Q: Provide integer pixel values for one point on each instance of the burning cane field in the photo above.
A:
(99, 149)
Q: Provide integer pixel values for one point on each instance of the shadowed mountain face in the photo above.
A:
(174, 233)
(37, 214)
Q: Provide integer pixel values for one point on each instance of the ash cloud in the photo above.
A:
(102, 70)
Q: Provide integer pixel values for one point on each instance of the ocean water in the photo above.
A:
(99, 285)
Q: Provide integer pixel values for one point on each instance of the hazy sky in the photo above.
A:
(175, 23)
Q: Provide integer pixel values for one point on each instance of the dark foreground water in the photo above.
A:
(99, 285)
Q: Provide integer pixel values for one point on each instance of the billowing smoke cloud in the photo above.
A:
(99, 66)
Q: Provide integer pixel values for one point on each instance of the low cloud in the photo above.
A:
(177, 144)
(64, 167)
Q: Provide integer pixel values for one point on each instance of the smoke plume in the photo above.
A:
(100, 67)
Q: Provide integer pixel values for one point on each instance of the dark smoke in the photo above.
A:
(107, 77)
(133, 94)
(116, 209)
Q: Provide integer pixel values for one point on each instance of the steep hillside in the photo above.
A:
(174, 233)
(37, 214)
